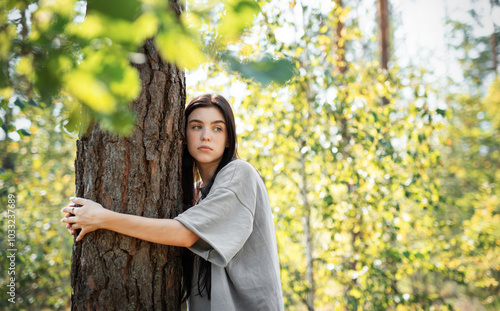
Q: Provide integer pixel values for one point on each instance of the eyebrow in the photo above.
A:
(213, 122)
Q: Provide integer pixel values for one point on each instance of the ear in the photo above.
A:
(227, 143)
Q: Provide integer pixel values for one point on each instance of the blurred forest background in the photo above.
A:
(381, 160)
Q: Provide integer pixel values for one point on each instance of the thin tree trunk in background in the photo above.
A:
(383, 22)
(493, 39)
(306, 222)
(7, 158)
(339, 47)
(339, 42)
(138, 175)
(493, 43)
(352, 302)
(303, 186)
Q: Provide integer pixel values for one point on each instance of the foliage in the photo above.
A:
(470, 216)
(392, 231)
(475, 55)
(363, 167)
(87, 50)
(38, 170)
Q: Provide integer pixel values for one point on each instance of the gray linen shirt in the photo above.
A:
(236, 230)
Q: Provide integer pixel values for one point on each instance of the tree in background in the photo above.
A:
(469, 216)
(477, 54)
(383, 28)
(349, 177)
(469, 179)
(383, 40)
(39, 172)
(493, 39)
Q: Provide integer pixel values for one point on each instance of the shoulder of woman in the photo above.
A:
(236, 171)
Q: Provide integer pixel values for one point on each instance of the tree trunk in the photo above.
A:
(383, 22)
(306, 206)
(306, 222)
(493, 43)
(339, 42)
(138, 175)
(493, 39)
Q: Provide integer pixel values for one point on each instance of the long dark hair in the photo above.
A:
(190, 195)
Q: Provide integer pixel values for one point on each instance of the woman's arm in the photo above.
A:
(92, 216)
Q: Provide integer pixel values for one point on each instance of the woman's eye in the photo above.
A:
(218, 129)
(196, 127)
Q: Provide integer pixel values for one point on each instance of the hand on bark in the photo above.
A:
(69, 226)
(88, 217)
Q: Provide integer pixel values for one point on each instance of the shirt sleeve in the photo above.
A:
(224, 219)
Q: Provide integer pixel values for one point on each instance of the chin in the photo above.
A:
(207, 160)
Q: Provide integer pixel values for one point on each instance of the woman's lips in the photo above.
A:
(204, 148)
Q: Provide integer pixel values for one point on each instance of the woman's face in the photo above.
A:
(206, 135)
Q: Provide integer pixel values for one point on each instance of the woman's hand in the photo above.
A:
(89, 217)
(68, 226)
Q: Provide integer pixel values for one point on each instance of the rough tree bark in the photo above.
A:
(137, 175)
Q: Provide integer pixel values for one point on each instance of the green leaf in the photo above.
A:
(79, 120)
(32, 102)
(4, 104)
(19, 103)
(4, 81)
(176, 44)
(125, 9)
(23, 132)
(47, 76)
(238, 15)
(265, 70)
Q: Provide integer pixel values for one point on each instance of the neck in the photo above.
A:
(207, 171)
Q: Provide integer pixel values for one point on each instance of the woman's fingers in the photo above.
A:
(67, 210)
(82, 214)
(70, 216)
(80, 201)
(72, 206)
(83, 232)
(70, 220)
(70, 210)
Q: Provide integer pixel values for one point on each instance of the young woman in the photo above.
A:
(227, 223)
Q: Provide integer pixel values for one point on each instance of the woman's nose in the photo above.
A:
(205, 135)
